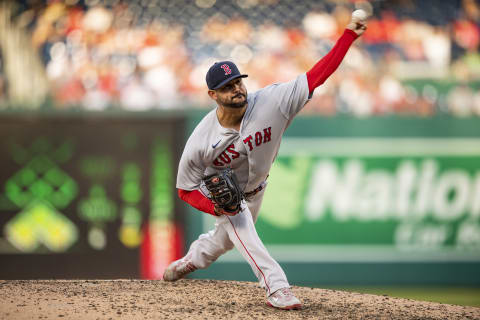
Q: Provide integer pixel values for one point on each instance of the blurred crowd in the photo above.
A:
(416, 58)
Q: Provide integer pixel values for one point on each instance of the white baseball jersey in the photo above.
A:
(251, 151)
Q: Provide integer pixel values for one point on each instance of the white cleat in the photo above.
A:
(177, 270)
(284, 299)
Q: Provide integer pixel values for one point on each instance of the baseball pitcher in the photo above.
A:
(227, 159)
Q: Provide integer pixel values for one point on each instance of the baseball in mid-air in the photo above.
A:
(359, 15)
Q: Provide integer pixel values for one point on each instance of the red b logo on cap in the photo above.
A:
(226, 68)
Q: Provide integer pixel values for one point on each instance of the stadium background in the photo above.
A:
(97, 98)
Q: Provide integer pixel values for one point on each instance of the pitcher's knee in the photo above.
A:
(202, 258)
(228, 246)
(219, 250)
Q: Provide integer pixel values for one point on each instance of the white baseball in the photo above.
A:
(359, 15)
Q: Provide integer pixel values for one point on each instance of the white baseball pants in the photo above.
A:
(239, 231)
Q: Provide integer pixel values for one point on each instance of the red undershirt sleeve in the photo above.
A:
(197, 200)
(329, 63)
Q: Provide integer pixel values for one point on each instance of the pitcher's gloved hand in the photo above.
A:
(225, 192)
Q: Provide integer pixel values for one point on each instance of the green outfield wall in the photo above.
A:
(377, 201)
(384, 200)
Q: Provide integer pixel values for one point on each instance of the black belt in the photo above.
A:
(254, 191)
(257, 189)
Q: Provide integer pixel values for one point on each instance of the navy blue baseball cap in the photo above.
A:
(221, 73)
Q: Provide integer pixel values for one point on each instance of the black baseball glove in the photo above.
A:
(224, 191)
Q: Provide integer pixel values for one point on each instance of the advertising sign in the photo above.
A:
(374, 199)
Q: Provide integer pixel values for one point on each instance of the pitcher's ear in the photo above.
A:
(212, 94)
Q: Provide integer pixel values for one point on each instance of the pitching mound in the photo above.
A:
(200, 299)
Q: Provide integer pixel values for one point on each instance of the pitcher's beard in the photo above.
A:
(235, 105)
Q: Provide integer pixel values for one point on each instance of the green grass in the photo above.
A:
(451, 295)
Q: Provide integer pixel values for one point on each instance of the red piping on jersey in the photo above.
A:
(264, 279)
(329, 63)
(197, 200)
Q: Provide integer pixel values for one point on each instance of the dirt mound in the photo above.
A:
(200, 299)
